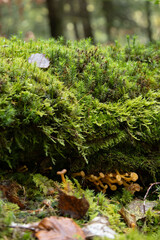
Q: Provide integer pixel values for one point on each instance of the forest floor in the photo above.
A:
(32, 206)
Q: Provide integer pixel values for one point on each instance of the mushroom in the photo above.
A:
(101, 175)
(118, 176)
(109, 179)
(133, 177)
(92, 178)
(61, 173)
(112, 187)
(104, 188)
(134, 187)
(81, 174)
(96, 180)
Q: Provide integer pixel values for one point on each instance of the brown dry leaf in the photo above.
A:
(10, 191)
(129, 218)
(59, 228)
(72, 206)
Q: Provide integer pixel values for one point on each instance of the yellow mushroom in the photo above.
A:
(61, 173)
(79, 174)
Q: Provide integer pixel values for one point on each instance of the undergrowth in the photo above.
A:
(36, 196)
(95, 105)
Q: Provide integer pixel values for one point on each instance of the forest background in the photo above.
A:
(104, 21)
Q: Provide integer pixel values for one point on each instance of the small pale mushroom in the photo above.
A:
(134, 187)
(104, 189)
(112, 187)
(125, 183)
(109, 179)
(61, 173)
(133, 177)
(91, 178)
(100, 185)
(79, 174)
(97, 182)
(94, 180)
(101, 175)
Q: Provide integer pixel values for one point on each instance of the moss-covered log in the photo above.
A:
(95, 107)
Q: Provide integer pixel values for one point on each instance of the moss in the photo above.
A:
(94, 104)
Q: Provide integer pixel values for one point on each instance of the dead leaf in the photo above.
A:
(10, 191)
(59, 228)
(72, 206)
(99, 227)
(40, 60)
(136, 207)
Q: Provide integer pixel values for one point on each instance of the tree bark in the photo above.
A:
(86, 20)
(149, 27)
(108, 9)
(73, 12)
(55, 12)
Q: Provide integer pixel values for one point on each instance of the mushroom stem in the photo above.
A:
(81, 174)
(61, 173)
(133, 177)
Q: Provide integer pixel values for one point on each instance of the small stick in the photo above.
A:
(23, 227)
(144, 204)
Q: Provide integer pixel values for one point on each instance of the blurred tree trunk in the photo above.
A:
(108, 9)
(0, 24)
(85, 19)
(149, 27)
(55, 10)
(73, 12)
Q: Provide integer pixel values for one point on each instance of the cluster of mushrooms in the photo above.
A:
(103, 181)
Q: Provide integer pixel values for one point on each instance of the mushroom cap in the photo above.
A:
(62, 172)
(82, 174)
(110, 174)
(101, 175)
(113, 187)
(120, 182)
(137, 187)
(92, 178)
(134, 176)
(118, 177)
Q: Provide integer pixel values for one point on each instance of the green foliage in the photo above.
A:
(151, 223)
(99, 204)
(136, 235)
(42, 182)
(7, 216)
(93, 104)
(123, 197)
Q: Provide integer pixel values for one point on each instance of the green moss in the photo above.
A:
(94, 104)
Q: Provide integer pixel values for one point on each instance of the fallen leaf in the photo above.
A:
(10, 191)
(72, 206)
(99, 227)
(40, 60)
(59, 228)
(136, 207)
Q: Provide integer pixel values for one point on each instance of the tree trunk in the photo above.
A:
(55, 11)
(149, 27)
(108, 9)
(86, 19)
(73, 13)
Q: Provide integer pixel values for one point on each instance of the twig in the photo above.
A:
(144, 204)
(31, 227)
(23, 227)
